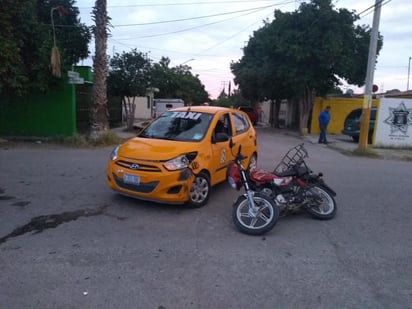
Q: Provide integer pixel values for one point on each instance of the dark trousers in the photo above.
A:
(322, 136)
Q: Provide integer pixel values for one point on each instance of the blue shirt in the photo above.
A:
(324, 117)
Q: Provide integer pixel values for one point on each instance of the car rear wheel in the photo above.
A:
(200, 191)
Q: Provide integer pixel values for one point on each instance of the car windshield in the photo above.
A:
(178, 126)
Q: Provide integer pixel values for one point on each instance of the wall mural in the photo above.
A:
(394, 122)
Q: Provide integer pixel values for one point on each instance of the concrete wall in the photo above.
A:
(143, 108)
(264, 112)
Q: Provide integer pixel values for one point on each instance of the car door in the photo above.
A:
(221, 154)
(243, 134)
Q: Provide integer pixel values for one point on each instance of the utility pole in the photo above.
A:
(409, 70)
(367, 100)
(223, 83)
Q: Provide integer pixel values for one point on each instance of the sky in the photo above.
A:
(208, 35)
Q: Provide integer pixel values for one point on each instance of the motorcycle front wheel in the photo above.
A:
(265, 219)
(320, 203)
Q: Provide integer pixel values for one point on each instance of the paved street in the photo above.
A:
(67, 241)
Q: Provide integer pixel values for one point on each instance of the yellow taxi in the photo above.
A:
(181, 154)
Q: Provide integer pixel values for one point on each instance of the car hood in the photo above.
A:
(154, 149)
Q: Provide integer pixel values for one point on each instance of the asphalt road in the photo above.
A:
(67, 241)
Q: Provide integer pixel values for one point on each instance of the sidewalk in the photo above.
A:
(340, 143)
(346, 145)
(123, 133)
(337, 141)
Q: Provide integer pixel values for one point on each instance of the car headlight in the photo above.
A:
(180, 162)
(113, 154)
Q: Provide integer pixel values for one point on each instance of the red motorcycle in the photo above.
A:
(254, 213)
(293, 186)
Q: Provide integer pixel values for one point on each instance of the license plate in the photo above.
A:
(131, 179)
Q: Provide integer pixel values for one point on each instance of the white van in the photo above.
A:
(162, 105)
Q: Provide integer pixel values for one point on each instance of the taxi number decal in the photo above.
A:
(223, 156)
(187, 115)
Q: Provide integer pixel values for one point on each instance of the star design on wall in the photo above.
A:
(400, 118)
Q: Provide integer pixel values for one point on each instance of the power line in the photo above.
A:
(370, 9)
(177, 4)
(227, 39)
(192, 28)
(198, 17)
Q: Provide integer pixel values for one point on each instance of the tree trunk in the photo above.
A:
(305, 106)
(99, 118)
(129, 107)
(276, 122)
(274, 113)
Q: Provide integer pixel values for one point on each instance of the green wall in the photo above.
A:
(39, 115)
(49, 114)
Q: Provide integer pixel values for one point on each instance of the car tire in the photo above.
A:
(200, 191)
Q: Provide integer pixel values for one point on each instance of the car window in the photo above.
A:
(241, 123)
(223, 125)
(355, 114)
(179, 126)
(373, 114)
(246, 109)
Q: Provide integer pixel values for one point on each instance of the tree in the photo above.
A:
(129, 76)
(99, 115)
(162, 77)
(177, 82)
(26, 41)
(235, 100)
(304, 53)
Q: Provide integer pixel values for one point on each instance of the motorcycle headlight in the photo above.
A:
(232, 182)
(113, 154)
(233, 177)
(177, 163)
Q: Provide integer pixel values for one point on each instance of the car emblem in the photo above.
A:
(134, 166)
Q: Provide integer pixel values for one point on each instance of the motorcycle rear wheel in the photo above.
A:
(265, 220)
(322, 205)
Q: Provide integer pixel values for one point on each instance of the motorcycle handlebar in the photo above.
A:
(239, 157)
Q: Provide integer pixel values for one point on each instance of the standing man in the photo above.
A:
(323, 118)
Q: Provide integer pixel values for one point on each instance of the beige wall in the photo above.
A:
(340, 108)
(142, 111)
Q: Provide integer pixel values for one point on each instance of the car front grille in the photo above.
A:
(141, 167)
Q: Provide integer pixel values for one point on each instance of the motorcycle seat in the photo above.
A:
(295, 171)
(260, 175)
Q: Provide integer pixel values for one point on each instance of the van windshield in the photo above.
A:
(178, 126)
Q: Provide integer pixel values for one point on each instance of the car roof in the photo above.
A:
(202, 109)
(360, 109)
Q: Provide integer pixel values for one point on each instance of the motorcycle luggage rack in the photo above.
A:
(294, 158)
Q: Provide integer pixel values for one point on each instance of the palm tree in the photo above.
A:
(99, 115)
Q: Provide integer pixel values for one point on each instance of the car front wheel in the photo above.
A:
(200, 191)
